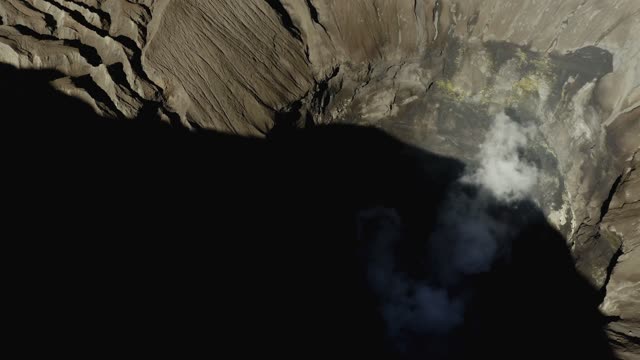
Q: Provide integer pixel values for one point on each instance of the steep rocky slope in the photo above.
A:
(622, 223)
(435, 73)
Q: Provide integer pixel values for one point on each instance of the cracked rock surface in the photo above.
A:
(432, 72)
(621, 225)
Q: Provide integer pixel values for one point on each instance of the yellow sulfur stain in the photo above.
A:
(527, 85)
(450, 90)
(522, 57)
(543, 67)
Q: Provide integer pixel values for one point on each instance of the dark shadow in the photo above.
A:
(535, 304)
(135, 237)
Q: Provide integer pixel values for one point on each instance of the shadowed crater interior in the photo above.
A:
(130, 236)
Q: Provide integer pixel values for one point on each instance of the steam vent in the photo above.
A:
(397, 179)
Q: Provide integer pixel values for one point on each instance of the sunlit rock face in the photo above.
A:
(434, 73)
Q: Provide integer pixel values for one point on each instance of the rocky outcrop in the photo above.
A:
(621, 226)
(431, 72)
(97, 44)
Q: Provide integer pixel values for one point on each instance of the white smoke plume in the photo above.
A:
(466, 240)
(409, 305)
(502, 172)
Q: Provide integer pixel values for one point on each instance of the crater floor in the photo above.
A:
(433, 73)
